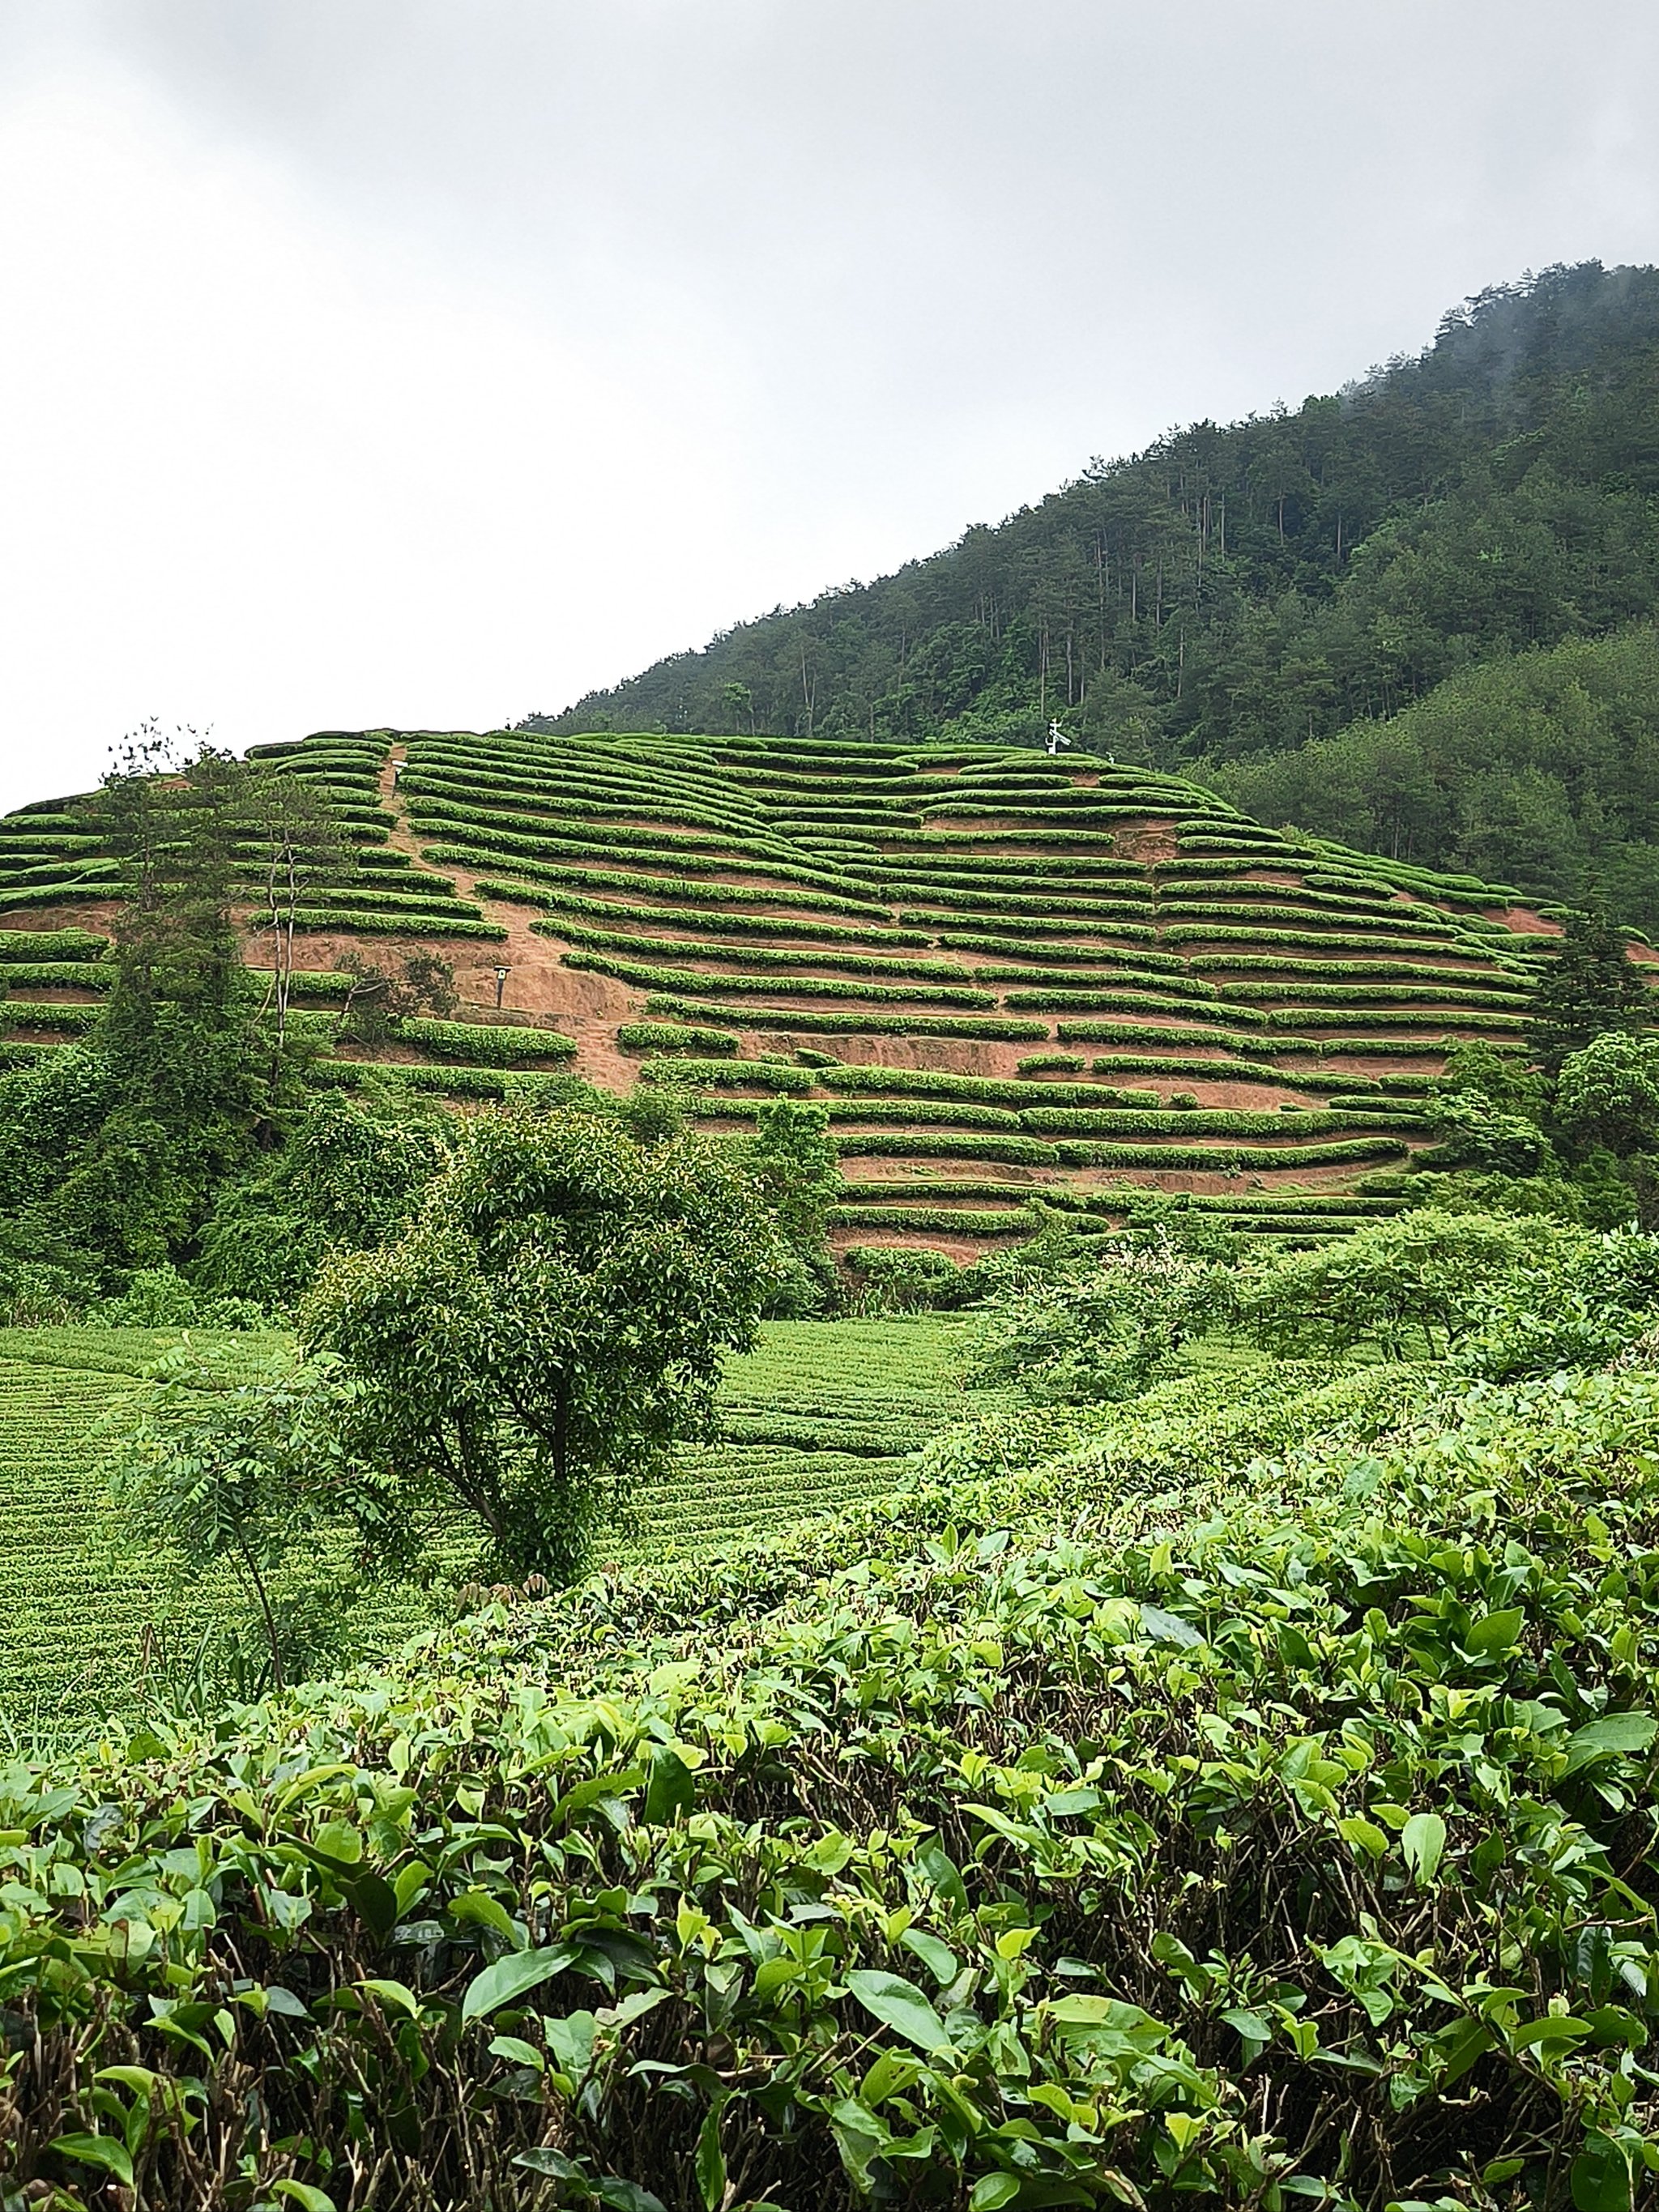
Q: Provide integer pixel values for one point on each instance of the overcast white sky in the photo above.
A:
(428, 362)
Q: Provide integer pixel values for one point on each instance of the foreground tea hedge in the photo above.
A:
(1106, 1835)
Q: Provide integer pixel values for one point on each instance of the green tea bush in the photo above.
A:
(1072, 1031)
(48, 1014)
(1359, 934)
(160, 1297)
(1209, 1122)
(416, 922)
(925, 1113)
(739, 923)
(1239, 973)
(1312, 998)
(1106, 1331)
(668, 1036)
(1232, 1159)
(1477, 1019)
(810, 1021)
(489, 1044)
(1286, 905)
(1083, 994)
(942, 1220)
(680, 891)
(671, 980)
(987, 1089)
(1175, 983)
(971, 1145)
(346, 1073)
(761, 1075)
(1403, 1686)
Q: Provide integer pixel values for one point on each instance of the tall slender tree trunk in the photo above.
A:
(279, 1679)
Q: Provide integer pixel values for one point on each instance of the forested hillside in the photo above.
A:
(1235, 593)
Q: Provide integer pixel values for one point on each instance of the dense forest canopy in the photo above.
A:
(1236, 594)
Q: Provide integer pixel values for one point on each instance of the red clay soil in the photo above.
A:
(1527, 923)
(1150, 842)
(88, 914)
(1361, 1062)
(1522, 920)
(923, 1174)
(539, 986)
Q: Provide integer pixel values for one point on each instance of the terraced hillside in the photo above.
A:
(1009, 978)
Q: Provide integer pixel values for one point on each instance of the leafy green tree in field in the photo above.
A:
(1474, 1133)
(739, 703)
(110, 1160)
(1606, 1115)
(1607, 1093)
(1488, 1110)
(793, 1157)
(345, 1179)
(1112, 1322)
(1420, 1281)
(1591, 986)
(241, 1468)
(170, 1093)
(548, 1328)
(1503, 1079)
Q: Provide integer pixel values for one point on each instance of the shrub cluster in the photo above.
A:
(486, 1044)
(949, 1220)
(670, 1037)
(675, 979)
(414, 922)
(70, 975)
(810, 1021)
(728, 1074)
(739, 923)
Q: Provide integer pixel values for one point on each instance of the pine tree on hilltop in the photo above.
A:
(1591, 986)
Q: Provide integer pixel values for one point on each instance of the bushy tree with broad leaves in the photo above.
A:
(551, 1326)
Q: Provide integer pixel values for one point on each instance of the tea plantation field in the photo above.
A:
(1011, 981)
(823, 1413)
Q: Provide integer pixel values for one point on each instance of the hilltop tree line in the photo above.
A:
(1235, 598)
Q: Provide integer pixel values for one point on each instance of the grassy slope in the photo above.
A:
(820, 1414)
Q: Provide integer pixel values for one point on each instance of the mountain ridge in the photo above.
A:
(1235, 592)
